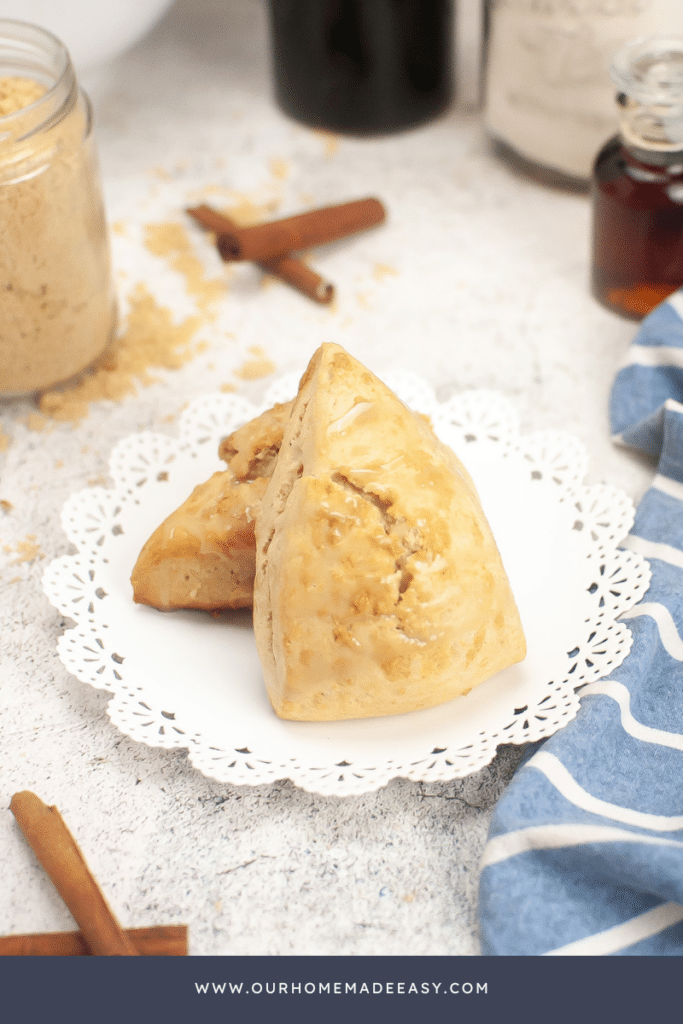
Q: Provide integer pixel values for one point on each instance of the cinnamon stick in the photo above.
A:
(287, 268)
(60, 856)
(164, 940)
(276, 237)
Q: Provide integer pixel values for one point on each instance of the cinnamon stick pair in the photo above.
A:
(287, 268)
(60, 856)
(271, 244)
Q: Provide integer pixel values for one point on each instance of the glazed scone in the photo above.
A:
(251, 451)
(203, 555)
(379, 588)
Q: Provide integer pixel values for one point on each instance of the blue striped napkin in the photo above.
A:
(585, 851)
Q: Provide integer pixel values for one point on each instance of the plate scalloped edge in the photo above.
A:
(140, 462)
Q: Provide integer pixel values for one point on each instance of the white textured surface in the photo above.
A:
(490, 290)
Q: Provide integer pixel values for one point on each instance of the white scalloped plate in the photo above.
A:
(187, 679)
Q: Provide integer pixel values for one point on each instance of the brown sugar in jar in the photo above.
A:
(57, 308)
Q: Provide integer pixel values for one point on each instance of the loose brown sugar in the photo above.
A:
(172, 242)
(27, 550)
(35, 422)
(150, 340)
(279, 168)
(17, 92)
(4, 441)
(259, 366)
(382, 270)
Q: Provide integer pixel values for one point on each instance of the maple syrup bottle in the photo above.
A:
(361, 67)
(637, 183)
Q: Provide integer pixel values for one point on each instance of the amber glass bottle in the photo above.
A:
(361, 67)
(637, 183)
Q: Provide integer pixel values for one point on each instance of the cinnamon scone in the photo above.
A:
(379, 588)
(203, 555)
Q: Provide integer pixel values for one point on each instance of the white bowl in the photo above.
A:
(92, 32)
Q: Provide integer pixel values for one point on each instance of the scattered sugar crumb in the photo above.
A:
(227, 388)
(409, 897)
(279, 168)
(330, 141)
(161, 173)
(382, 270)
(362, 300)
(97, 481)
(346, 322)
(173, 243)
(34, 421)
(245, 211)
(59, 463)
(6, 506)
(306, 199)
(259, 366)
(16, 579)
(28, 550)
(4, 441)
(150, 339)
(169, 419)
(119, 227)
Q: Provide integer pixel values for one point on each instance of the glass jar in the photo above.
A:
(57, 312)
(549, 100)
(361, 66)
(637, 184)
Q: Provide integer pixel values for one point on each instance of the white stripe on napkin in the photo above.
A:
(555, 837)
(557, 774)
(653, 355)
(652, 922)
(676, 300)
(619, 693)
(668, 634)
(653, 549)
(674, 488)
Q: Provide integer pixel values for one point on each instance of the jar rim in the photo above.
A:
(639, 67)
(55, 95)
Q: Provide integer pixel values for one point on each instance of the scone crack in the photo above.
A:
(381, 504)
(393, 527)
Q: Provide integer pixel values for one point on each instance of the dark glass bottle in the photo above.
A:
(362, 67)
(637, 184)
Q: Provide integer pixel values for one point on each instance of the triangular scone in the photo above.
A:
(379, 587)
(203, 555)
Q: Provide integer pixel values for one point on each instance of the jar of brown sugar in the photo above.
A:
(57, 307)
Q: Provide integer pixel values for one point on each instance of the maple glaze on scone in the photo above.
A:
(379, 588)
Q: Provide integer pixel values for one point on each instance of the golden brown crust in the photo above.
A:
(379, 588)
(203, 555)
(251, 450)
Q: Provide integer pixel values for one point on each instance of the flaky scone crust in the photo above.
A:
(379, 587)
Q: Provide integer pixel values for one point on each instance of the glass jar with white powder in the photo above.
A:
(549, 97)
